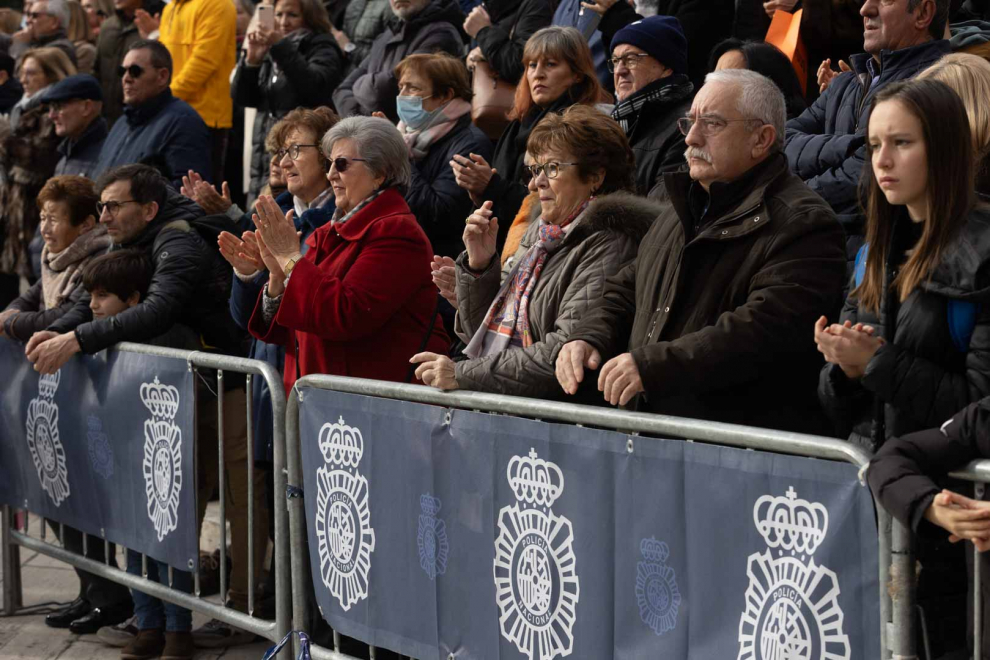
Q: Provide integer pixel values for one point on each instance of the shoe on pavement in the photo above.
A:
(178, 646)
(216, 634)
(147, 645)
(120, 634)
(99, 617)
(77, 609)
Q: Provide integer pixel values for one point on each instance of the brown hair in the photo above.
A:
(121, 272)
(314, 15)
(55, 64)
(949, 151)
(10, 20)
(442, 70)
(568, 46)
(595, 140)
(318, 120)
(77, 192)
(79, 29)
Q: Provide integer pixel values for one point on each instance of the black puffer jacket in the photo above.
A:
(513, 23)
(826, 145)
(439, 204)
(657, 142)
(295, 73)
(372, 86)
(918, 378)
(190, 285)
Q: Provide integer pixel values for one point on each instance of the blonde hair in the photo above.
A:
(969, 77)
(55, 64)
(79, 29)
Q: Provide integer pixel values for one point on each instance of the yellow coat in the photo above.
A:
(201, 35)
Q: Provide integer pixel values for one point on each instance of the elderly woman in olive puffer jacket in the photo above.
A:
(585, 229)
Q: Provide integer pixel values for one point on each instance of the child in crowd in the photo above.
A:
(117, 281)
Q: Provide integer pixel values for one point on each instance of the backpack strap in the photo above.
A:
(859, 270)
(962, 321)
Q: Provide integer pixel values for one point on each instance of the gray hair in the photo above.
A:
(60, 10)
(759, 97)
(379, 143)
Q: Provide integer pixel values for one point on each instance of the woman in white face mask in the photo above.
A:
(434, 107)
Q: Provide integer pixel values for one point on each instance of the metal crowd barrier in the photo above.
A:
(977, 472)
(896, 560)
(12, 538)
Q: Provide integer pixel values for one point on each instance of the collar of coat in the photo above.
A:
(737, 200)
(141, 114)
(96, 132)
(892, 61)
(620, 213)
(389, 202)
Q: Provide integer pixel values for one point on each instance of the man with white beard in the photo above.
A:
(714, 318)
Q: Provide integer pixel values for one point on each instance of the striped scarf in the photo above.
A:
(507, 323)
(666, 90)
(339, 217)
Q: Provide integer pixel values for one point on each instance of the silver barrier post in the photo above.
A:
(250, 493)
(297, 522)
(221, 486)
(979, 489)
(283, 576)
(902, 587)
(883, 537)
(12, 596)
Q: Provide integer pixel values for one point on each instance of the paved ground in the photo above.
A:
(45, 579)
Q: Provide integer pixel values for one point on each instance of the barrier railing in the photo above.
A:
(977, 472)
(894, 547)
(12, 538)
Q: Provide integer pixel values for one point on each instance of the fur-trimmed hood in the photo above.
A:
(620, 212)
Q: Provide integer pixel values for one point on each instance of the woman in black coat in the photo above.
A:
(297, 64)
(501, 29)
(559, 74)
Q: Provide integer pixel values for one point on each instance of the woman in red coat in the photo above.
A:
(362, 300)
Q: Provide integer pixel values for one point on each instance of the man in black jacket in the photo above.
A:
(419, 26)
(652, 91)
(826, 145)
(74, 106)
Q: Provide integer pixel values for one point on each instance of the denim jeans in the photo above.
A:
(150, 611)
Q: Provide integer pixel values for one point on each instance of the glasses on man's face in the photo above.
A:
(709, 125)
(35, 15)
(56, 107)
(629, 61)
(133, 70)
(343, 163)
(551, 169)
(112, 207)
(293, 151)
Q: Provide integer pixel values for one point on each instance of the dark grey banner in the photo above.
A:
(436, 532)
(104, 445)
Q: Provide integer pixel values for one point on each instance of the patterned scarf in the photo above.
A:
(339, 217)
(666, 90)
(419, 142)
(507, 322)
(61, 272)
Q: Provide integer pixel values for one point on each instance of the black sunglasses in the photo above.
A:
(343, 163)
(135, 71)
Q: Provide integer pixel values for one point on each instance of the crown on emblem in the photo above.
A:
(94, 423)
(340, 443)
(790, 523)
(161, 400)
(654, 550)
(534, 480)
(48, 384)
(429, 504)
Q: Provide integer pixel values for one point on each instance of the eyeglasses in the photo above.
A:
(629, 61)
(56, 107)
(551, 169)
(134, 70)
(293, 151)
(35, 15)
(113, 207)
(709, 125)
(343, 163)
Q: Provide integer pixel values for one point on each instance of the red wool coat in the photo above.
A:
(360, 302)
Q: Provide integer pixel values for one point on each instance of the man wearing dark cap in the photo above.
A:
(75, 106)
(652, 90)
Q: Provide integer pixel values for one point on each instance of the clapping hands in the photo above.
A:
(849, 346)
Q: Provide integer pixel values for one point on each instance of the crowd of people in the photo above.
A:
(662, 215)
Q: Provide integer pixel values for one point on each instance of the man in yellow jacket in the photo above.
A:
(201, 36)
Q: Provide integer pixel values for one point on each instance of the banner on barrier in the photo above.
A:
(434, 532)
(105, 445)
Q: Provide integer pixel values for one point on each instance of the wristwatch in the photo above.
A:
(290, 264)
(350, 47)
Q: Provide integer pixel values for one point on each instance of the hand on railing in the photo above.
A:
(573, 359)
(963, 518)
(435, 370)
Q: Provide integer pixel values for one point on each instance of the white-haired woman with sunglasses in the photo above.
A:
(361, 300)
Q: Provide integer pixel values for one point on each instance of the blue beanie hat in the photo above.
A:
(661, 37)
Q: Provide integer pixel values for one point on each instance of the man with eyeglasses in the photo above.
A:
(157, 128)
(47, 23)
(652, 90)
(713, 318)
(74, 106)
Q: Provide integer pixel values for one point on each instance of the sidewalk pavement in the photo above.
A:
(45, 579)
